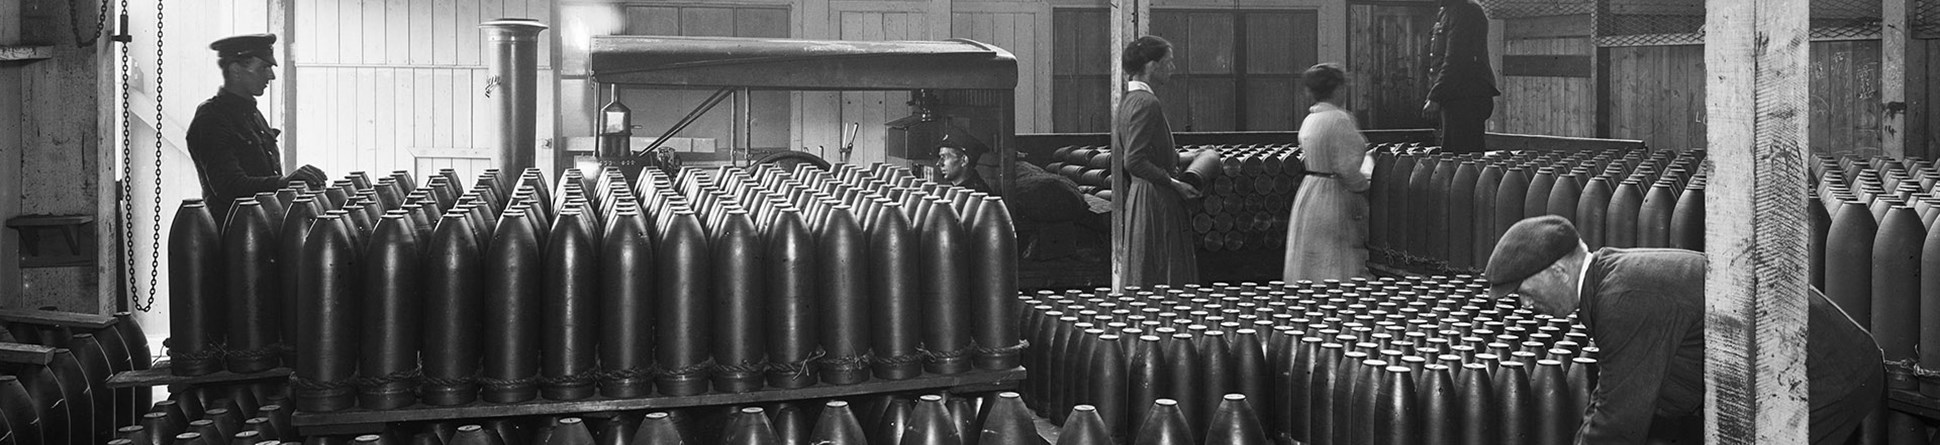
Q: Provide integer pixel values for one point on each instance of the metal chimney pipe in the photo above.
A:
(513, 90)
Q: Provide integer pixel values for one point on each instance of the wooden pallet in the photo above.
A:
(363, 421)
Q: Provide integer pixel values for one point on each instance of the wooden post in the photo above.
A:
(1755, 55)
(112, 288)
(1129, 19)
(282, 21)
(1893, 35)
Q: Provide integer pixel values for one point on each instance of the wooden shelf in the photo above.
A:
(162, 375)
(25, 53)
(90, 322)
(357, 421)
(1912, 402)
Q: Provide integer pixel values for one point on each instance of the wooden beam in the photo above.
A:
(1894, 30)
(1548, 65)
(368, 420)
(22, 353)
(57, 318)
(111, 287)
(1756, 102)
(25, 53)
(163, 374)
(1549, 27)
(1129, 20)
(282, 19)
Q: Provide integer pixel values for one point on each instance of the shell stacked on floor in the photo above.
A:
(1434, 211)
(1248, 189)
(1427, 360)
(943, 418)
(66, 399)
(713, 280)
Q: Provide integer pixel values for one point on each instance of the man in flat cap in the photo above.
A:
(234, 148)
(1645, 311)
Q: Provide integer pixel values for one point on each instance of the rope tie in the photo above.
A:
(404, 376)
(448, 382)
(629, 373)
(847, 363)
(583, 378)
(502, 384)
(210, 351)
(701, 368)
(265, 351)
(1003, 350)
(307, 384)
(798, 368)
(1911, 368)
(946, 355)
(745, 367)
(899, 360)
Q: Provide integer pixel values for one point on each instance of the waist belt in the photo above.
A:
(1322, 174)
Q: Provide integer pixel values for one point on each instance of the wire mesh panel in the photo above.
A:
(1510, 9)
(1681, 22)
(1926, 19)
(1649, 22)
(1845, 19)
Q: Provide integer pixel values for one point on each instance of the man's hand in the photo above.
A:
(1430, 109)
(1185, 190)
(309, 174)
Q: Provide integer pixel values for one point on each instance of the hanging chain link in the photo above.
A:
(127, 173)
(74, 21)
(155, 250)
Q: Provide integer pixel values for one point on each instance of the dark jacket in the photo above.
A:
(1645, 310)
(234, 149)
(1459, 55)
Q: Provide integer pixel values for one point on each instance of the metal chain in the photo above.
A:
(127, 172)
(155, 250)
(74, 21)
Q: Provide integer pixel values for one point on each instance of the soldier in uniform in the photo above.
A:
(234, 148)
(956, 160)
(1463, 95)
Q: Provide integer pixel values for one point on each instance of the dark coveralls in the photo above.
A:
(1645, 309)
(235, 151)
(1464, 84)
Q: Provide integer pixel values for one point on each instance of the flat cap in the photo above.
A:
(247, 45)
(1526, 248)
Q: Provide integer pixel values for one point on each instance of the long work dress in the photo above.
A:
(1158, 232)
(1327, 232)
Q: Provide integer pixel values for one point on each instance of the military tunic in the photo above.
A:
(234, 149)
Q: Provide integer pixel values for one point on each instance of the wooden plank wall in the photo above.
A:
(1080, 94)
(384, 82)
(1845, 97)
(1921, 138)
(1233, 70)
(1387, 63)
(1024, 29)
(1657, 95)
(1547, 105)
(857, 20)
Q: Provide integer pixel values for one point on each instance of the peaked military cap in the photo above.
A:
(247, 45)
